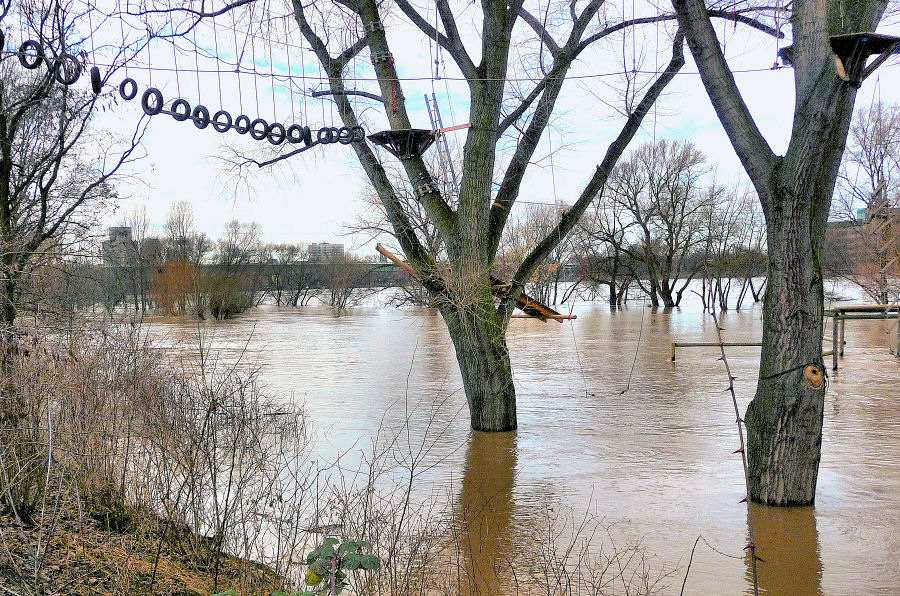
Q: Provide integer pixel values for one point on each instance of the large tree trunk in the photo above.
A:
(784, 420)
(478, 332)
(665, 290)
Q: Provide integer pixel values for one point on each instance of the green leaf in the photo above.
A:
(351, 561)
(348, 547)
(319, 569)
(330, 542)
(313, 578)
(226, 593)
(370, 562)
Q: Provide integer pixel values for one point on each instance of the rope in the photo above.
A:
(197, 66)
(175, 57)
(218, 75)
(272, 83)
(636, 348)
(238, 56)
(364, 79)
(253, 57)
(793, 369)
(290, 86)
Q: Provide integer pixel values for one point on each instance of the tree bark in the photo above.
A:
(784, 420)
(478, 332)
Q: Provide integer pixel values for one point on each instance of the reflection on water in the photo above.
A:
(788, 545)
(655, 461)
(485, 511)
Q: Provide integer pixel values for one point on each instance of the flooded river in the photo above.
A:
(607, 424)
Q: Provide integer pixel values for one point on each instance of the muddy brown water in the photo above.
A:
(607, 424)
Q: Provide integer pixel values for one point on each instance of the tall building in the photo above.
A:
(324, 251)
(119, 247)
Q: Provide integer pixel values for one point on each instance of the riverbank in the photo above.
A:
(118, 465)
(84, 555)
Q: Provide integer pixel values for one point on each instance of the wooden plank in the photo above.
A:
(708, 344)
(402, 264)
(525, 303)
(555, 317)
(860, 308)
(449, 128)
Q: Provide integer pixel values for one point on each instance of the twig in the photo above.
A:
(751, 546)
(691, 560)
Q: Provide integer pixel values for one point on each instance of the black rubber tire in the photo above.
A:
(242, 124)
(180, 116)
(96, 80)
(345, 135)
(280, 137)
(327, 135)
(23, 54)
(200, 116)
(299, 134)
(132, 93)
(256, 133)
(66, 77)
(221, 126)
(145, 101)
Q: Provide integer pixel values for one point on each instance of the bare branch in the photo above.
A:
(751, 147)
(615, 150)
(450, 42)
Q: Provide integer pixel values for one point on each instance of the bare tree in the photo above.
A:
(56, 171)
(728, 231)
(784, 420)
(507, 122)
(373, 222)
(659, 189)
(521, 235)
(185, 243)
(232, 283)
(863, 246)
(282, 260)
(472, 228)
(604, 237)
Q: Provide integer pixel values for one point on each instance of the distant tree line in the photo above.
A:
(661, 221)
(184, 272)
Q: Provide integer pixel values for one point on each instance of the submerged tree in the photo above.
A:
(784, 420)
(472, 229)
(659, 189)
(537, 47)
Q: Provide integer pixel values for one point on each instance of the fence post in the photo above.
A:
(841, 338)
(836, 321)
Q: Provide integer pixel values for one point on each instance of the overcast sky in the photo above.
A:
(312, 198)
